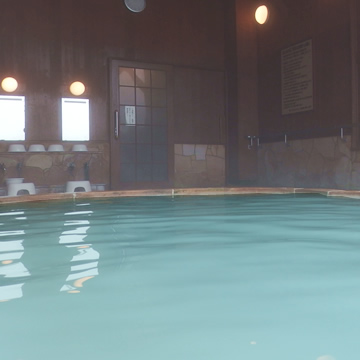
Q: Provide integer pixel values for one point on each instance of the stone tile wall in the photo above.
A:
(50, 171)
(321, 163)
(196, 165)
(199, 165)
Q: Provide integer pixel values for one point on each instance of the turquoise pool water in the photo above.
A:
(189, 278)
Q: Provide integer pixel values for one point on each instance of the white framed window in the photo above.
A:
(75, 119)
(12, 117)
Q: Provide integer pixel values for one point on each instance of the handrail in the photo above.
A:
(258, 139)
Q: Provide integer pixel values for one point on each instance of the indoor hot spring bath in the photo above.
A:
(187, 277)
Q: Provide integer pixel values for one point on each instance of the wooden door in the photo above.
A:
(140, 125)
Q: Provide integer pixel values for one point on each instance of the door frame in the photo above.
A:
(115, 167)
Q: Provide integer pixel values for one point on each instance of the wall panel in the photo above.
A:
(47, 44)
(328, 25)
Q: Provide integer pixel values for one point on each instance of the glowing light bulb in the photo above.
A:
(9, 84)
(77, 88)
(262, 14)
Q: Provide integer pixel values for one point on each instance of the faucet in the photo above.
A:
(86, 171)
(71, 168)
(19, 168)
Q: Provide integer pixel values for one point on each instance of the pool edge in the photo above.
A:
(355, 194)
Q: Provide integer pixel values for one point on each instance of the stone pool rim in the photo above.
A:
(355, 194)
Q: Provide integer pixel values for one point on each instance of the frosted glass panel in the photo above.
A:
(142, 78)
(158, 97)
(75, 119)
(127, 95)
(158, 79)
(126, 76)
(143, 96)
(12, 117)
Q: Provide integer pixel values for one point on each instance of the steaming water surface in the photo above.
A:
(189, 278)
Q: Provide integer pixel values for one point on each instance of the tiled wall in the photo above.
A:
(199, 165)
(196, 165)
(321, 163)
(50, 171)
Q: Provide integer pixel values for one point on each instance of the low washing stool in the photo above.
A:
(76, 186)
(13, 189)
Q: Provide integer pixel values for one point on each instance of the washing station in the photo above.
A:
(27, 169)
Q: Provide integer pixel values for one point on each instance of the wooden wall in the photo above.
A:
(327, 23)
(199, 116)
(47, 44)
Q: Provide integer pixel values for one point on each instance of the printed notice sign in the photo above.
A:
(130, 115)
(297, 78)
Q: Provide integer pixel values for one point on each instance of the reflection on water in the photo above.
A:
(14, 274)
(11, 267)
(85, 255)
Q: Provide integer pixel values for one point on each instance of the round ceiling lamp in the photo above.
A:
(135, 5)
(9, 84)
(262, 14)
(77, 88)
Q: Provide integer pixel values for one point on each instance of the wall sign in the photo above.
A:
(130, 115)
(297, 78)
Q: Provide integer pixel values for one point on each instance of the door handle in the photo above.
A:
(116, 124)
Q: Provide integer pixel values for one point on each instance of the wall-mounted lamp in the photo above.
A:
(9, 84)
(77, 88)
(262, 14)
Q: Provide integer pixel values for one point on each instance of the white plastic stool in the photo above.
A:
(13, 189)
(72, 186)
